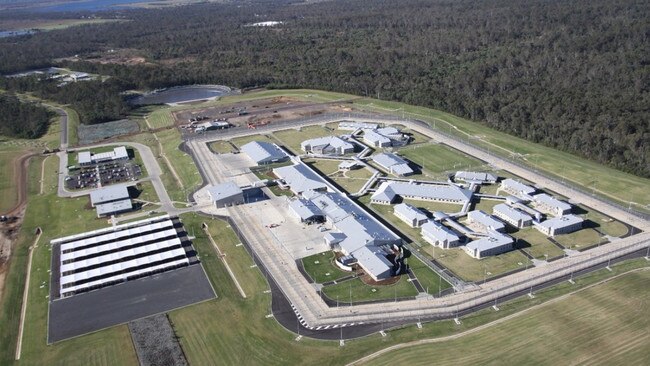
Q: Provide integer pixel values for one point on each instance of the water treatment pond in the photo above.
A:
(182, 94)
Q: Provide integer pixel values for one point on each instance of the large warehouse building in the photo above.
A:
(226, 194)
(105, 257)
(262, 152)
(111, 200)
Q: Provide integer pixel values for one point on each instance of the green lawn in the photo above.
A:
(536, 244)
(321, 268)
(362, 292)
(73, 126)
(434, 206)
(431, 281)
(221, 147)
(601, 325)
(292, 138)
(325, 166)
(161, 117)
(471, 269)
(437, 159)
(606, 224)
(580, 239)
(241, 141)
(483, 204)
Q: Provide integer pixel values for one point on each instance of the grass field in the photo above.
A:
(471, 269)
(580, 239)
(484, 204)
(293, 138)
(160, 117)
(321, 268)
(437, 159)
(536, 244)
(606, 224)
(355, 290)
(221, 147)
(431, 281)
(602, 325)
(241, 141)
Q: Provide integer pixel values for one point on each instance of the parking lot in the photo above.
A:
(103, 174)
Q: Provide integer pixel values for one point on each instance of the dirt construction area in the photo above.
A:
(258, 112)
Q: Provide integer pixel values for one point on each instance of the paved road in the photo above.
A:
(316, 314)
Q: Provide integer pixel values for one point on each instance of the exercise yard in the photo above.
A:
(293, 138)
(321, 269)
(437, 158)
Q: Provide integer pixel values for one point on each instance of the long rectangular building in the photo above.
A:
(560, 225)
(516, 188)
(512, 216)
(101, 258)
(485, 221)
(393, 163)
(388, 192)
(496, 243)
(410, 215)
(439, 235)
(550, 204)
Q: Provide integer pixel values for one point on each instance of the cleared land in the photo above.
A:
(601, 325)
(50, 24)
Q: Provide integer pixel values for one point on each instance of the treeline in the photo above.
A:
(95, 101)
(569, 74)
(22, 119)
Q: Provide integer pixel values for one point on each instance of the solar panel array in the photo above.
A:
(105, 257)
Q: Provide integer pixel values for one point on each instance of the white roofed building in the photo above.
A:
(410, 215)
(300, 178)
(516, 188)
(109, 194)
(330, 145)
(352, 126)
(393, 164)
(484, 221)
(306, 211)
(88, 158)
(549, 204)
(494, 244)
(388, 192)
(476, 177)
(560, 225)
(512, 216)
(226, 194)
(439, 235)
(262, 152)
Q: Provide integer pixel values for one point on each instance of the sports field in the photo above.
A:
(437, 159)
(603, 325)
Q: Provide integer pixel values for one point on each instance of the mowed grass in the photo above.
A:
(221, 147)
(292, 138)
(471, 269)
(160, 117)
(356, 290)
(431, 281)
(580, 239)
(536, 244)
(604, 325)
(241, 141)
(321, 268)
(437, 159)
(606, 224)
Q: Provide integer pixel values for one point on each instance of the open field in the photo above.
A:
(601, 325)
(477, 270)
(355, 290)
(292, 138)
(536, 244)
(160, 117)
(221, 147)
(321, 268)
(437, 159)
(580, 239)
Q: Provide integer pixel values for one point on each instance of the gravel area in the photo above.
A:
(93, 133)
(155, 342)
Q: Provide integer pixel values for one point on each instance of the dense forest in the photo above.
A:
(22, 119)
(569, 74)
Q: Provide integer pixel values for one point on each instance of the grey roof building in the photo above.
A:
(114, 208)
(409, 214)
(262, 152)
(551, 205)
(494, 244)
(485, 221)
(439, 235)
(560, 225)
(351, 126)
(306, 211)
(388, 192)
(226, 194)
(109, 194)
(329, 145)
(516, 188)
(476, 177)
(88, 158)
(300, 178)
(393, 163)
(349, 165)
(512, 216)
(375, 139)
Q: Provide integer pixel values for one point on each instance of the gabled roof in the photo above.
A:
(333, 141)
(486, 220)
(550, 201)
(300, 178)
(438, 231)
(511, 212)
(374, 137)
(517, 186)
(261, 151)
(388, 190)
(561, 222)
(475, 176)
(410, 212)
(495, 240)
(224, 190)
(305, 208)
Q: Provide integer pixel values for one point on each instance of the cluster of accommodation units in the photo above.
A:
(85, 158)
(105, 257)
